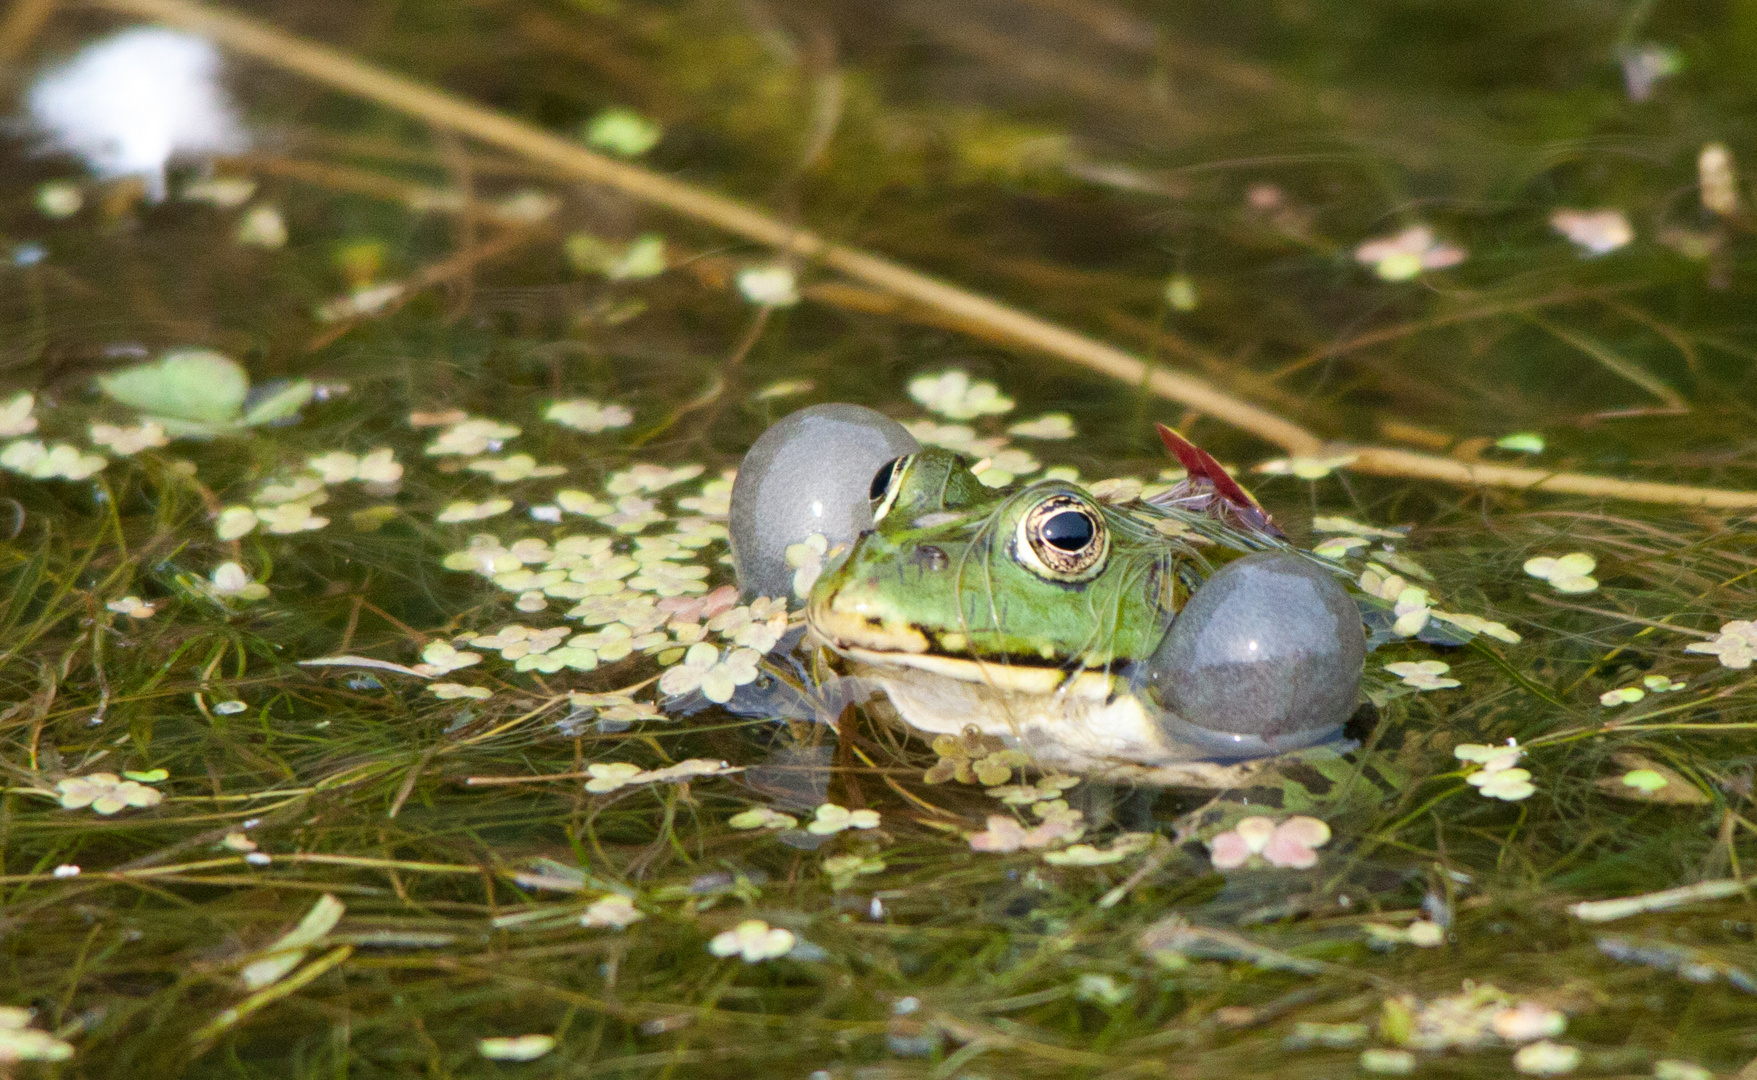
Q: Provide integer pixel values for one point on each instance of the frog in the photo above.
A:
(1062, 624)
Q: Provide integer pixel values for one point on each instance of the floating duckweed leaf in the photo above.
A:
(287, 952)
(769, 285)
(641, 258)
(1524, 442)
(1546, 1059)
(1424, 674)
(16, 416)
(1350, 527)
(1117, 490)
(1387, 1062)
(105, 792)
(715, 500)
(127, 441)
(451, 691)
(437, 418)
(230, 581)
(1180, 293)
(463, 510)
(973, 758)
(289, 518)
(1510, 785)
(470, 437)
(632, 514)
(1047, 426)
(1292, 843)
(28, 457)
(338, 467)
(1477, 625)
(784, 388)
(843, 869)
(1305, 468)
(1420, 933)
(754, 941)
(224, 192)
(1087, 855)
(609, 776)
(705, 669)
(132, 606)
(1338, 547)
(831, 818)
(513, 468)
(150, 776)
(1718, 180)
(1735, 645)
(645, 478)
(1307, 1034)
(372, 518)
(1407, 254)
(305, 489)
(585, 414)
(235, 521)
(959, 437)
(953, 394)
(1005, 834)
(622, 131)
(19, 1041)
(515, 1047)
(526, 207)
(262, 227)
(614, 911)
(59, 199)
(1569, 573)
(441, 658)
(1004, 467)
(807, 560)
(1646, 780)
(761, 817)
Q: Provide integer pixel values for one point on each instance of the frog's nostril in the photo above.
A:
(929, 557)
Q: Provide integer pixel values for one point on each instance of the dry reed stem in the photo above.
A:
(342, 72)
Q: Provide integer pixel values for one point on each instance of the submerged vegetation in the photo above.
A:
(375, 699)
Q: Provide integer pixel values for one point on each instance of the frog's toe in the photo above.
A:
(1266, 656)
(810, 473)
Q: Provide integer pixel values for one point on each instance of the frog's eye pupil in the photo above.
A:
(1070, 530)
(1063, 538)
(881, 480)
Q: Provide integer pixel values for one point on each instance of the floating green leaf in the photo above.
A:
(199, 393)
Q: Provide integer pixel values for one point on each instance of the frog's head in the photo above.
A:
(1019, 588)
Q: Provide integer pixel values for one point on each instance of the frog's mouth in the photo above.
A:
(873, 639)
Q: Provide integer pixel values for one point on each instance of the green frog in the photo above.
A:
(1176, 641)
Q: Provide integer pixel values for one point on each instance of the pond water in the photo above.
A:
(375, 695)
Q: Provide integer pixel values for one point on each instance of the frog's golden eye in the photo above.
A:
(885, 485)
(1063, 538)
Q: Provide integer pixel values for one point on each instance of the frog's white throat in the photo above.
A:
(1089, 722)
